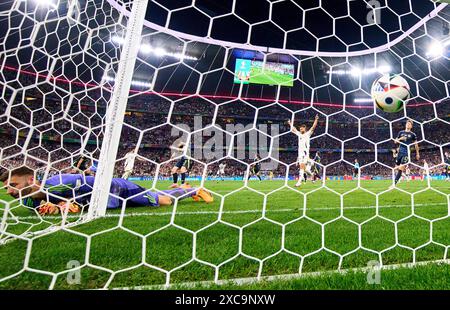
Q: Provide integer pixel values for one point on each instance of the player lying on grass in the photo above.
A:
(404, 138)
(77, 188)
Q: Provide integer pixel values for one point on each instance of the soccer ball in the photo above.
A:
(390, 92)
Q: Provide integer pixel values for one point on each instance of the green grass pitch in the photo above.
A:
(308, 246)
(257, 76)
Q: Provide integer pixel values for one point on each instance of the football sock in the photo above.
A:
(183, 177)
(302, 174)
(398, 176)
(175, 178)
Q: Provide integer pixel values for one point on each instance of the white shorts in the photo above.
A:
(303, 158)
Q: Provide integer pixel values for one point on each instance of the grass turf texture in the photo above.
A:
(258, 76)
(394, 233)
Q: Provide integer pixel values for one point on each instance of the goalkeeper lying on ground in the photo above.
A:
(77, 188)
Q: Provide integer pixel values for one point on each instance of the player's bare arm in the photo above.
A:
(293, 129)
(316, 121)
(416, 145)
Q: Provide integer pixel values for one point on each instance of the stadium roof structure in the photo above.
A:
(215, 33)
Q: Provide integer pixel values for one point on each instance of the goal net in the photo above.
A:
(106, 104)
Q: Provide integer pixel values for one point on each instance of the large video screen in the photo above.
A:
(249, 71)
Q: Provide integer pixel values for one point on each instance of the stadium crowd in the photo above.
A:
(59, 138)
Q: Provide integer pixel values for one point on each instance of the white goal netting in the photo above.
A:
(98, 91)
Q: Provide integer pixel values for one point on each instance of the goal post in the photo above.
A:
(116, 109)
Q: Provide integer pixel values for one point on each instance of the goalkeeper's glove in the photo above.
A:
(48, 208)
(51, 208)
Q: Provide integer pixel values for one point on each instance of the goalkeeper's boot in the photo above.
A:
(188, 186)
(185, 185)
(205, 195)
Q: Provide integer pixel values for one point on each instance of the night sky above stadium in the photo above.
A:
(291, 15)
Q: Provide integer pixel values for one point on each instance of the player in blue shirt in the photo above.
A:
(22, 183)
(356, 169)
(256, 168)
(404, 139)
(447, 166)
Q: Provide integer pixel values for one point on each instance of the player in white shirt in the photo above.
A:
(304, 137)
(407, 173)
(221, 171)
(426, 170)
(130, 158)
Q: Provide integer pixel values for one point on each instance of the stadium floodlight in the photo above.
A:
(117, 39)
(437, 49)
(363, 100)
(158, 51)
(47, 3)
(107, 78)
(146, 49)
(356, 71)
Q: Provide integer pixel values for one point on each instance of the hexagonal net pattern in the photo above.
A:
(247, 209)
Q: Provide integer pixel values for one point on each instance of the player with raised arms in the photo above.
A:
(404, 138)
(221, 172)
(183, 164)
(304, 138)
(47, 196)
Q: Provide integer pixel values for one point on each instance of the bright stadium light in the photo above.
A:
(356, 71)
(158, 51)
(134, 82)
(117, 40)
(363, 100)
(437, 49)
(146, 49)
(48, 3)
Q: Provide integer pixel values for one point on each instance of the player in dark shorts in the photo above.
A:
(405, 139)
(256, 168)
(182, 166)
(316, 167)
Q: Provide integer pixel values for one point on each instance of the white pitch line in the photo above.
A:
(285, 277)
(138, 214)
